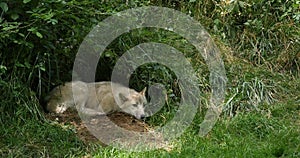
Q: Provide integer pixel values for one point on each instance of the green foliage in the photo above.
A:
(41, 38)
(263, 32)
(39, 41)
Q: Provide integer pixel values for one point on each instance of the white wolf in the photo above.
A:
(97, 98)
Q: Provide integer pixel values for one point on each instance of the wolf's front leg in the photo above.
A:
(89, 112)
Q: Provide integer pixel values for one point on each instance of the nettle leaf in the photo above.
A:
(21, 34)
(4, 6)
(53, 21)
(26, 1)
(14, 16)
(32, 29)
(35, 31)
(38, 34)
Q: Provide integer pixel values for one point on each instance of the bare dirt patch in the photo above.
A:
(70, 117)
(137, 136)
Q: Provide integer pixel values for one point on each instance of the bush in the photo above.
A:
(41, 40)
(263, 32)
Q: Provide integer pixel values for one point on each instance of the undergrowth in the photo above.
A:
(259, 42)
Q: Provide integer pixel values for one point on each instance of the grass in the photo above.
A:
(261, 118)
(269, 132)
(38, 139)
(247, 135)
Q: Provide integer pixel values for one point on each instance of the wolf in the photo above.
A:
(97, 98)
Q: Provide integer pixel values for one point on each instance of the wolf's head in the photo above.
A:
(133, 103)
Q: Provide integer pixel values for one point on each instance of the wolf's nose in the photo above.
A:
(142, 116)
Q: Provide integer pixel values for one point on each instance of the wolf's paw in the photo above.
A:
(94, 121)
(100, 114)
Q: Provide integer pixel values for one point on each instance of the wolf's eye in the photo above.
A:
(135, 105)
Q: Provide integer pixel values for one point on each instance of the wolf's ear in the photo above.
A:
(143, 92)
(123, 98)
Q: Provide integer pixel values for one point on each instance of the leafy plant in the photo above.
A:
(262, 32)
(39, 41)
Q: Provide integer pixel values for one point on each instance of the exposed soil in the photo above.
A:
(122, 120)
(131, 133)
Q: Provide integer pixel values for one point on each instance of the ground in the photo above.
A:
(90, 129)
(123, 120)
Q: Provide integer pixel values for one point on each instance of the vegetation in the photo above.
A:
(260, 45)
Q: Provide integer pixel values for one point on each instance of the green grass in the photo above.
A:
(37, 139)
(271, 132)
(268, 129)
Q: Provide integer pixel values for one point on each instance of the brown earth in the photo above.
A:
(71, 117)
